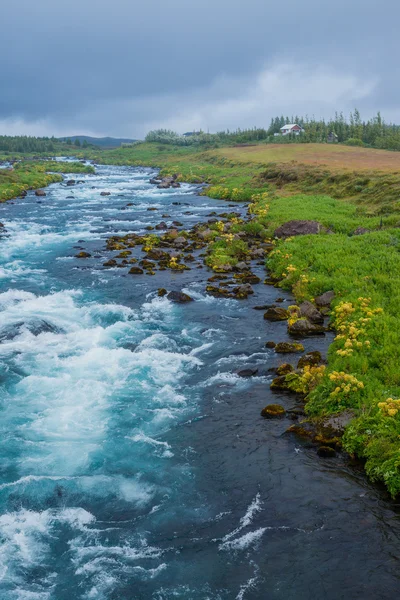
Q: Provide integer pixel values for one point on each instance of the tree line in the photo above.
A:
(351, 130)
(36, 145)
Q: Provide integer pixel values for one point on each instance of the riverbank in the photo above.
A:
(19, 177)
(355, 254)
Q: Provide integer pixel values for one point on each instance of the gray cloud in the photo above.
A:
(123, 66)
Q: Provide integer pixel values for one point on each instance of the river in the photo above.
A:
(134, 463)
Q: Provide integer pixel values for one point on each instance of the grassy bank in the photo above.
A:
(33, 175)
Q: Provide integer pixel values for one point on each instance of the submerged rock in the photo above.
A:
(83, 255)
(273, 411)
(247, 372)
(326, 452)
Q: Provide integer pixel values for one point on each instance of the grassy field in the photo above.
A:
(333, 156)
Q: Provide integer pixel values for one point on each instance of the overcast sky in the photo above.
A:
(122, 67)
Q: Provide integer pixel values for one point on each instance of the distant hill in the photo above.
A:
(104, 142)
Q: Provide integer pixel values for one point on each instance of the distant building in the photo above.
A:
(332, 138)
(291, 128)
(190, 133)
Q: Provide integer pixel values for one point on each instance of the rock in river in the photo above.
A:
(276, 314)
(273, 411)
(288, 347)
(179, 297)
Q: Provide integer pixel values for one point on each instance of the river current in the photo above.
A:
(134, 463)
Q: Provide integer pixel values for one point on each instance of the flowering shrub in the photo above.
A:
(389, 407)
(351, 319)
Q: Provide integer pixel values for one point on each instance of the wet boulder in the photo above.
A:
(243, 291)
(105, 193)
(276, 314)
(308, 310)
(83, 255)
(161, 226)
(136, 271)
(273, 411)
(71, 182)
(110, 263)
(311, 359)
(288, 347)
(179, 297)
(162, 292)
(40, 193)
(284, 369)
(270, 344)
(299, 227)
(180, 241)
(303, 327)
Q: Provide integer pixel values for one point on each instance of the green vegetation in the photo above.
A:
(364, 273)
(364, 270)
(28, 175)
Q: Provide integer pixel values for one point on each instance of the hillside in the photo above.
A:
(103, 142)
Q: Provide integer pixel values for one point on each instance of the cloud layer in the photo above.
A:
(121, 68)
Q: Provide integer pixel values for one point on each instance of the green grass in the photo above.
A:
(33, 175)
(366, 266)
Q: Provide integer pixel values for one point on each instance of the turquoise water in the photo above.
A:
(134, 463)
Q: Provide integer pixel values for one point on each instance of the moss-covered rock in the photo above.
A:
(311, 358)
(291, 382)
(276, 314)
(288, 347)
(284, 369)
(303, 327)
(273, 411)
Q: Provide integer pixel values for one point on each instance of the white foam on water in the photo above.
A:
(74, 375)
(245, 541)
(254, 507)
(251, 584)
(26, 539)
(141, 437)
(29, 236)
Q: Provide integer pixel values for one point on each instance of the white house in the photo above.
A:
(291, 128)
